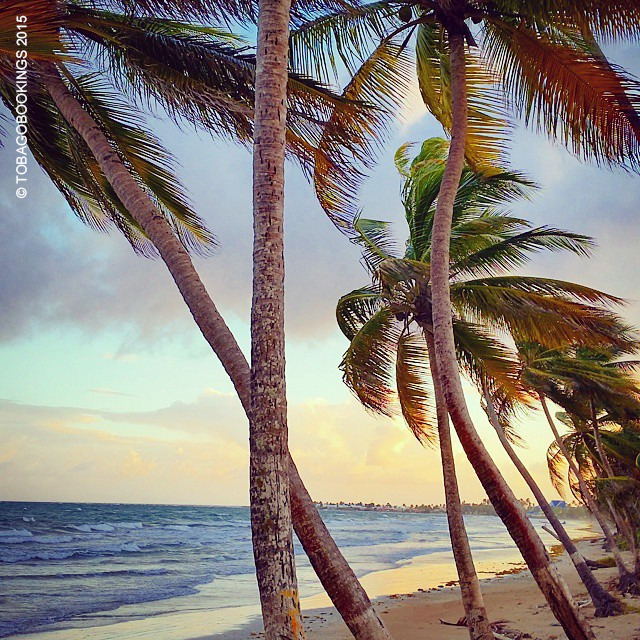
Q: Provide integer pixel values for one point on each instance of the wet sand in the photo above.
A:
(512, 598)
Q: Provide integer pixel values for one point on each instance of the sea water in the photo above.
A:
(63, 564)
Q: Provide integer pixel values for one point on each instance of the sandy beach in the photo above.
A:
(512, 599)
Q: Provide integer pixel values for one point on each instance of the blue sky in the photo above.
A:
(109, 393)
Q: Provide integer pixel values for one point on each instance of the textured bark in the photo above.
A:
(605, 604)
(347, 594)
(472, 600)
(336, 575)
(498, 491)
(269, 484)
(626, 580)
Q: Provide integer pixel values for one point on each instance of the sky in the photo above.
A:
(108, 392)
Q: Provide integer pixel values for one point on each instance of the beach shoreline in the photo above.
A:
(411, 598)
(512, 599)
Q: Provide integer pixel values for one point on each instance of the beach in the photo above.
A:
(514, 600)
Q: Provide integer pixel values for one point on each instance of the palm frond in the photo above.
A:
(477, 195)
(558, 467)
(508, 408)
(368, 365)
(319, 42)
(567, 92)
(547, 311)
(381, 83)
(227, 11)
(515, 250)
(608, 19)
(413, 377)
(355, 309)
(149, 162)
(482, 357)
(401, 159)
(203, 75)
(487, 121)
(376, 240)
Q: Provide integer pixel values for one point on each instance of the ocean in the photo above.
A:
(74, 566)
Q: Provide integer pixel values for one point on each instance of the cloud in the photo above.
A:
(55, 272)
(197, 452)
(109, 392)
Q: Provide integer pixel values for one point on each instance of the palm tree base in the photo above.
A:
(629, 583)
(608, 606)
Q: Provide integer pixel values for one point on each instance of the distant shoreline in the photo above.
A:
(472, 509)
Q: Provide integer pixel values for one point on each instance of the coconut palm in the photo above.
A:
(497, 405)
(618, 494)
(555, 375)
(270, 509)
(601, 384)
(389, 323)
(537, 55)
(113, 173)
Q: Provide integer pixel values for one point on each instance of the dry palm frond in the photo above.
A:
(413, 383)
(567, 92)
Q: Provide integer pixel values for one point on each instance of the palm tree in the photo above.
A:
(605, 604)
(618, 493)
(113, 173)
(389, 323)
(270, 509)
(603, 384)
(538, 55)
(550, 374)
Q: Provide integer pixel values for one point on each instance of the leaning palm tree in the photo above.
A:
(548, 374)
(618, 493)
(112, 173)
(499, 408)
(389, 323)
(602, 386)
(538, 56)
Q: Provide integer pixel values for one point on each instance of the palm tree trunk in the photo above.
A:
(605, 604)
(627, 581)
(595, 424)
(336, 576)
(498, 491)
(607, 470)
(271, 524)
(472, 600)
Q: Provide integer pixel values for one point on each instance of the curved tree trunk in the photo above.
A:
(472, 600)
(627, 581)
(271, 525)
(595, 424)
(498, 491)
(605, 604)
(336, 576)
(622, 526)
